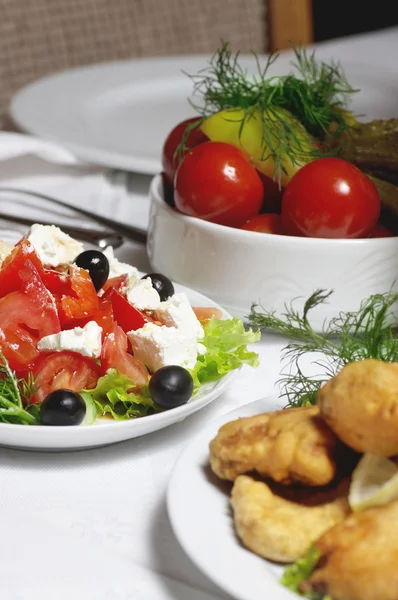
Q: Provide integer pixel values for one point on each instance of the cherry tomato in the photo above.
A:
(114, 355)
(63, 370)
(265, 223)
(216, 182)
(272, 200)
(330, 198)
(381, 231)
(170, 160)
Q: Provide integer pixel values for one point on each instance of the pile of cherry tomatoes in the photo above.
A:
(216, 181)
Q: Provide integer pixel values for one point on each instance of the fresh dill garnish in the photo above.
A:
(312, 99)
(15, 396)
(349, 337)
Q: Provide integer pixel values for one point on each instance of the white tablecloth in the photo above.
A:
(93, 524)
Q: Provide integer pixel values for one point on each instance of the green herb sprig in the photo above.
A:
(315, 96)
(12, 391)
(349, 337)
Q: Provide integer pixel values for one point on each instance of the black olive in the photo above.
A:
(62, 407)
(162, 285)
(96, 263)
(171, 386)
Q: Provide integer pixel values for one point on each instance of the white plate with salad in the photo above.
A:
(93, 352)
(210, 539)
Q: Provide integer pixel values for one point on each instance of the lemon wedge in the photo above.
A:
(374, 482)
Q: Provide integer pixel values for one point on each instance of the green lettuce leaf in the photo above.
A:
(113, 396)
(226, 349)
(299, 571)
(225, 343)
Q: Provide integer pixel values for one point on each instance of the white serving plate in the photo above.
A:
(118, 114)
(107, 431)
(198, 507)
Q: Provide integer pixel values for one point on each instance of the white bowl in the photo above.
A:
(238, 268)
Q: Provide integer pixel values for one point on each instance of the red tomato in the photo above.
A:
(63, 370)
(330, 198)
(57, 283)
(83, 300)
(381, 231)
(264, 223)
(25, 317)
(126, 316)
(17, 343)
(205, 313)
(118, 282)
(170, 160)
(114, 355)
(216, 182)
(272, 200)
(10, 280)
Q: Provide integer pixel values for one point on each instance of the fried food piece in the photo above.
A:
(359, 557)
(360, 404)
(293, 445)
(282, 529)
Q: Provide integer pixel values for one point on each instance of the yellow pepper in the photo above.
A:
(226, 126)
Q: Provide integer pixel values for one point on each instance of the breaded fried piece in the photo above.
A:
(293, 445)
(359, 557)
(280, 529)
(360, 404)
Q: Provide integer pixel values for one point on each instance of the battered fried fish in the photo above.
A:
(282, 529)
(360, 404)
(293, 445)
(359, 557)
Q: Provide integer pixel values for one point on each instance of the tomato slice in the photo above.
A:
(63, 370)
(117, 283)
(103, 317)
(10, 280)
(83, 300)
(126, 316)
(114, 355)
(26, 315)
(57, 283)
(205, 313)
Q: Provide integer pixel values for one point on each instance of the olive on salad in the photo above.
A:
(62, 407)
(97, 264)
(171, 386)
(162, 285)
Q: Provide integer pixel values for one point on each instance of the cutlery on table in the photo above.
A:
(102, 239)
(130, 232)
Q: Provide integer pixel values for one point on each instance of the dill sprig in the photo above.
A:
(314, 98)
(15, 396)
(349, 337)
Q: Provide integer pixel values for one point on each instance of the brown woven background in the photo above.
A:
(38, 37)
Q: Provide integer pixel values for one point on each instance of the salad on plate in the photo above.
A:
(84, 336)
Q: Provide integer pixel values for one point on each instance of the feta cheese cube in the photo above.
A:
(53, 246)
(84, 340)
(177, 312)
(117, 268)
(143, 296)
(158, 346)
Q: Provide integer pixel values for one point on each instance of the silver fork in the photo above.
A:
(130, 232)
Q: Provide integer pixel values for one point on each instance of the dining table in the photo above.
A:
(93, 524)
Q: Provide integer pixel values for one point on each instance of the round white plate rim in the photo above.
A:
(187, 476)
(30, 117)
(106, 432)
